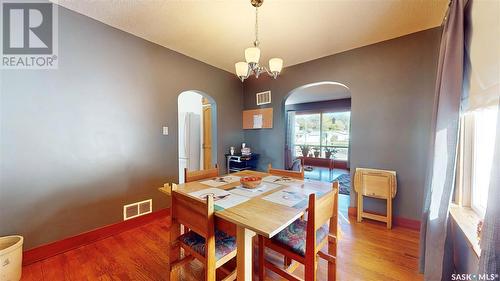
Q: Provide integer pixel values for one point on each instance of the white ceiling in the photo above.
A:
(322, 91)
(217, 32)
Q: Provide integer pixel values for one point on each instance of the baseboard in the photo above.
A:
(49, 250)
(399, 221)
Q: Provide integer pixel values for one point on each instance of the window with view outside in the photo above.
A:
(322, 133)
(483, 150)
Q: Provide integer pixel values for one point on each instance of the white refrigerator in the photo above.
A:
(189, 142)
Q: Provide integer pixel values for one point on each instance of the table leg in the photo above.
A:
(244, 255)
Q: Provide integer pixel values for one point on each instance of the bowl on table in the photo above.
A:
(250, 182)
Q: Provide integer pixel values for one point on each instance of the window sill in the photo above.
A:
(467, 220)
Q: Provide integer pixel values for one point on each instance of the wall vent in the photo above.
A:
(263, 98)
(137, 209)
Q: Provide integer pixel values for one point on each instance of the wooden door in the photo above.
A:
(207, 135)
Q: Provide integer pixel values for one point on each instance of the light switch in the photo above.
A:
(165, 131)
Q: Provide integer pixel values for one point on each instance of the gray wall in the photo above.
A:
(392, 87)
(79, 142)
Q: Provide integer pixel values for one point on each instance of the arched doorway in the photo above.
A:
(317, 119)
(197, 135)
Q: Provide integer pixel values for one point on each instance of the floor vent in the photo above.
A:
(263, 98)
(137, 209)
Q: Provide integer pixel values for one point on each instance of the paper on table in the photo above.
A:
(231, 201)
(220, 181)
(280, 180)
(222, 199)
(290, 196)
(257, 121)
(217, 193)
(263, 188)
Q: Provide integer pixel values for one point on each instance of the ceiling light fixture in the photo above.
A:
(252, 55)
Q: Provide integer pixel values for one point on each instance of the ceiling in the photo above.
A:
(217, 32)
(322, 91)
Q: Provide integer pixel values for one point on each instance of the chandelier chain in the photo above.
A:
(256, 43)
(252, 55)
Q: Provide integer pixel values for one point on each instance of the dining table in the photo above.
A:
(266, 212)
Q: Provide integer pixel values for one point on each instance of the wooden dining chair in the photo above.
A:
(303, 240)
(292, 174)
(197, 175)
(286, 173)
(203, 241)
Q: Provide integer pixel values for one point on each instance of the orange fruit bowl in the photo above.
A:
(250, 182)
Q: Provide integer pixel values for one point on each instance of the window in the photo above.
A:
(321, 133)
(476, 157)
(335, 133)
(307, 129)
(484, 146)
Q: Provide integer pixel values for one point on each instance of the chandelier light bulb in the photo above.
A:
(275, 65)
(252, 55)
(241, 69)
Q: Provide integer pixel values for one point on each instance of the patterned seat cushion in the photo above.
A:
(293, 236)
(224, 243)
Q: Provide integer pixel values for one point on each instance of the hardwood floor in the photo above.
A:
(367, 251)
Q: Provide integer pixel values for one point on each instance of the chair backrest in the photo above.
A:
(286, 173)
(319, 212)
(199, 217)
(190, 176)
(326, 208)
(196, 214)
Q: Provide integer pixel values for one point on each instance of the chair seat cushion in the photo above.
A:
(293, 237)
(224, 243)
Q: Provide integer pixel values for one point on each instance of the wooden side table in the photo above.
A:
(379, 184)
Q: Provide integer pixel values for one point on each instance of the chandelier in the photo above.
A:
(252, 55)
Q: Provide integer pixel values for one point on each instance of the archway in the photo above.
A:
(317, 118)
(197, 131)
